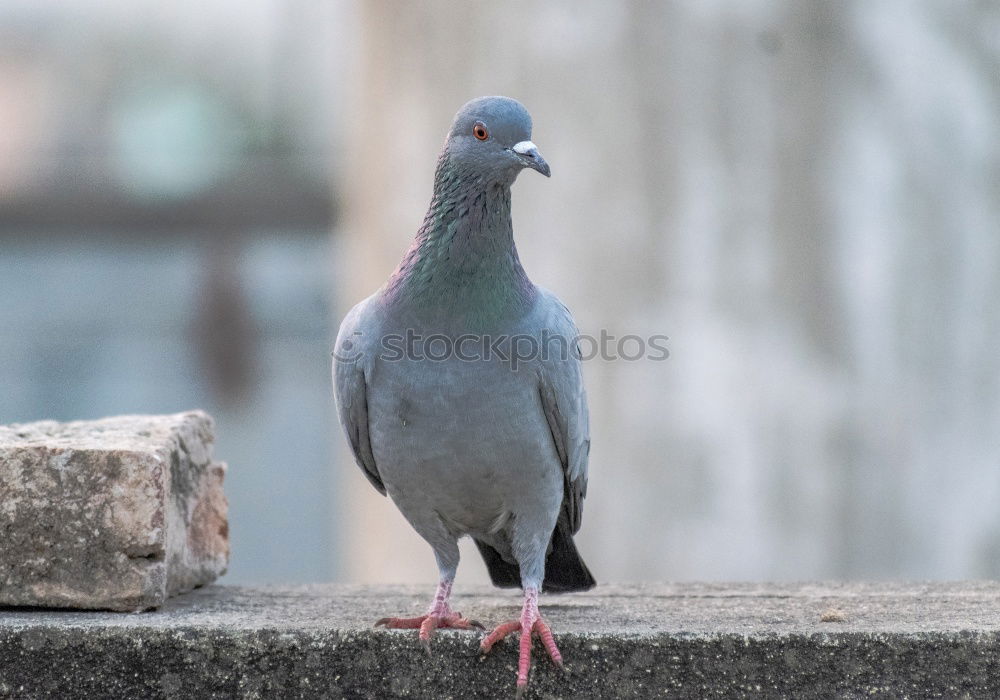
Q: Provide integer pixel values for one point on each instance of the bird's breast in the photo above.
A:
(470, 428)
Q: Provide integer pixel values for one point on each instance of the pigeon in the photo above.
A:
(459, 387)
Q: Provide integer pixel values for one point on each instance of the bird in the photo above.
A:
(459, 388)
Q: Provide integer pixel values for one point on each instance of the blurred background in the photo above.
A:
(804, 196)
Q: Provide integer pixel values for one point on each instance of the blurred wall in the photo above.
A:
(803, 196)
(165, 210)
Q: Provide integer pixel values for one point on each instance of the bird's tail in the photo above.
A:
(564, 568)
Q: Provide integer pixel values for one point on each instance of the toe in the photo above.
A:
(427, 628)
(461, 623)
(524, 660)
(497, 634)
(545, 634)
(400, 623)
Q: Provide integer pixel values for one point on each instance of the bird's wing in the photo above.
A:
(564, 402)
(350, 389)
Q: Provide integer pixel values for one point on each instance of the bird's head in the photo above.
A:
(491, 138)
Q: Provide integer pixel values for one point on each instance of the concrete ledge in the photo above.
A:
(691, 640)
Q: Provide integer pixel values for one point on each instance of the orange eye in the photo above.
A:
(480, 132)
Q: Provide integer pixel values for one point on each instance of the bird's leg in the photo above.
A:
(439, 614)
(530, 624)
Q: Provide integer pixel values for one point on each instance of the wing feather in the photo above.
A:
(564, 402)
(350, 385)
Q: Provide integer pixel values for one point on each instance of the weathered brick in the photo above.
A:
(119, 513)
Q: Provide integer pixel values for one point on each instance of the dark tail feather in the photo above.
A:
(503, 574)
(564, 569)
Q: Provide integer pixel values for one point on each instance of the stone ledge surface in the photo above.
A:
(118, 513)
(632, 641)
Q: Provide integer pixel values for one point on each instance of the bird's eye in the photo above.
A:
(480, 132)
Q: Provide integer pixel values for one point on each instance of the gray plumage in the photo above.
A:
(492, 447)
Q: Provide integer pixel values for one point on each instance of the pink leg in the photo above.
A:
(530, 624)
(439, 615)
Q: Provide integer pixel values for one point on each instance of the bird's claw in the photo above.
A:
(538, 629)
(427, 624)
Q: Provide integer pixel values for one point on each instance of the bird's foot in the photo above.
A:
(530, 625)
(440, 615)
(428, 623)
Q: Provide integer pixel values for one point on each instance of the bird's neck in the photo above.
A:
(463, 262)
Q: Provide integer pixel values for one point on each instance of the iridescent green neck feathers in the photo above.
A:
(463, 263)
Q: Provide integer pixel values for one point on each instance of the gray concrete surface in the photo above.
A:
(632, 641)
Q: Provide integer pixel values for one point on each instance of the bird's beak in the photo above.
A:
(531, 158)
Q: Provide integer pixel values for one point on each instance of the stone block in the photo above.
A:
(117, 514)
